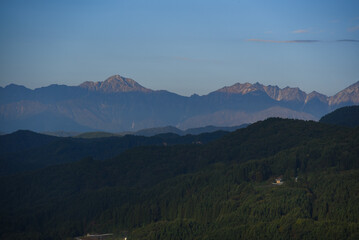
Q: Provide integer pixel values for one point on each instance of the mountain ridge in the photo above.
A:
(350, 93)
(274, 92)
(121, 104)
(118, 83)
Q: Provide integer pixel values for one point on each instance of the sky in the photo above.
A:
(186, 47)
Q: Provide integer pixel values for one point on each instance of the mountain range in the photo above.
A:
(121, 104)
(149, 132)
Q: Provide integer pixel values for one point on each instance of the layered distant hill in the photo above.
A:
(25, 150)
(121, 104)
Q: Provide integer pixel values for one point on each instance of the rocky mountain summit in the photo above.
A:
(121, 104)
(348, 95)
(274, 92)
(115, 83)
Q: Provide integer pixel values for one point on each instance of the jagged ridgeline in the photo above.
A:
(121, 104)
(220, 190)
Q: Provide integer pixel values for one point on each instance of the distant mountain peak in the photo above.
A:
(274, 92)
(240, 88)
(348, 95)
(15, 86)
(316, 96)
(115, 83)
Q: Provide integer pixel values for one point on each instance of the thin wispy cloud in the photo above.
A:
(353, 29)
(299, 31)
(348, 40)
(299, 41)
(281, 41)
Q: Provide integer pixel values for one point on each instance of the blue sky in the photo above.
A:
(182, 46)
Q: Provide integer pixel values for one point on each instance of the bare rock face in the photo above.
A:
(315, 95)
(274, 92)
(238, 88)
(349, 95)
(115, 84)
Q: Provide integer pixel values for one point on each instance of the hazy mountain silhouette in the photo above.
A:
(121, 104)
(194, 131)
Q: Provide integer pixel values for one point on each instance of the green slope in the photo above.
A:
(218, 190)
(25, 150)
(345, 116)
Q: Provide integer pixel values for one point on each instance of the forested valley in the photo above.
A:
(219, 189)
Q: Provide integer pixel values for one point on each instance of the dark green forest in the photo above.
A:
(345, 116)
(25, 150)
(222, 189)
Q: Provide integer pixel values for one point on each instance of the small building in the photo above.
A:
(278, 181)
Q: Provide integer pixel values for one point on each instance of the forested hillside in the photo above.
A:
(345, 116)
(26, 150)
(223, 189)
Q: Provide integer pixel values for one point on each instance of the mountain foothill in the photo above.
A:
(121, 104)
